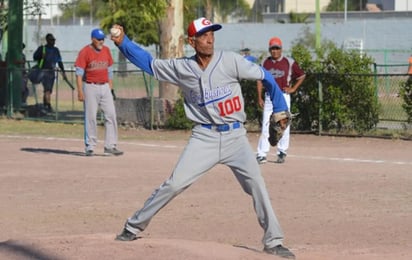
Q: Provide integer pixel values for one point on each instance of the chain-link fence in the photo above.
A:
(345, 104)
(128, 84)
(331, 109)
(134, 84)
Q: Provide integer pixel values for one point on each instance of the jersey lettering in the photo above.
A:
(210, 96)
(229, 106)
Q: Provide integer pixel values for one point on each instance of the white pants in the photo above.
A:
(263, 145)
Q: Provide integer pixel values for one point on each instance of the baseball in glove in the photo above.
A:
(277, 125)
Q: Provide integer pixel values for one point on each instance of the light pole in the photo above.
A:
(346, 10)
(317, 20)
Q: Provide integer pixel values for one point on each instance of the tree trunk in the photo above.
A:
(209, 10)
(171, 43)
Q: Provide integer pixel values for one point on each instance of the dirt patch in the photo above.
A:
(336, 198)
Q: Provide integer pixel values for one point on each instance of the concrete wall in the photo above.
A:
(376, 34)
(138, 112)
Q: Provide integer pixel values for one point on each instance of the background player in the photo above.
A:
(247, 55)
(209, 81)
(410, 69)
(50, 55)
(289, 77)
(94, 75)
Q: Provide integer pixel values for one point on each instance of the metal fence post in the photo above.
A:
(56, 111)
(149, 91)
(320, 94)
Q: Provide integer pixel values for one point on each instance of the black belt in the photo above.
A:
(96, 83)
(223, 127)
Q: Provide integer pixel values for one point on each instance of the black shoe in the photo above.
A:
(126, 235)
(89, 153)
(280, 251)
(281, 158)
(48, 108)
(261, 159)
(112, 151)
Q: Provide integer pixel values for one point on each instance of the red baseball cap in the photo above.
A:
(275, 42)
(200, 26)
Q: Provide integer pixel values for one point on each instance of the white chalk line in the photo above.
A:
(152, 145)
(81, 140)
(355, 160)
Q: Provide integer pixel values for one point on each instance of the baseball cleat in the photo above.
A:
(89, 153)
(261, 159)
(281, 251)
(112, 151)
(126, 235)
(281, 158)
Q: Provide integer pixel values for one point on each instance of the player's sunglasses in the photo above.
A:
(102, 39)
(275, 48)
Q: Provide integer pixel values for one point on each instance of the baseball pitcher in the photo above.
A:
(209, 81)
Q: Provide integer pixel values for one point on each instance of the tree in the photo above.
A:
(339, 5)
(156, 22)
(78, 8)
(3, 18)
(216, 10)
(226, 8)
(140, 18)
(171, 42)
(298, 17)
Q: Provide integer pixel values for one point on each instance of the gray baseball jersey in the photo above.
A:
(214, 101)
(219, 99)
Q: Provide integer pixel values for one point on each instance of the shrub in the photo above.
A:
(406, 94)
(177, 118)
(338, 91)
(252, 110)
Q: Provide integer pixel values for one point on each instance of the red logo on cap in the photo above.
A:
(206, 22)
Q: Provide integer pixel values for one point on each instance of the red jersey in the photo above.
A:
(95, 64)
(410, 66)
(283, 70)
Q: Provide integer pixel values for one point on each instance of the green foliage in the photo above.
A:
(308, 40)
(338, 91)
(80, 8)
(298, 17)
(140, 18)
(193, 9)
(406, 94)
(339, 5)
(30, 8)
(178, 119)
(3, 18)
(252, 109)
(239, 8)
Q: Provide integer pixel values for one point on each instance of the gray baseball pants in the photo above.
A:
(205, 149)
(99, 95)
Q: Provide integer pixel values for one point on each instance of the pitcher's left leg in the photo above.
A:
(240, 158)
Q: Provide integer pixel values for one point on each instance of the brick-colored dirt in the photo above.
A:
(336, 198)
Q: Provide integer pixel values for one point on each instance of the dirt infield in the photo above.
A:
(336, 198)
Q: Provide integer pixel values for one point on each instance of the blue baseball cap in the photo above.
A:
(98, 34)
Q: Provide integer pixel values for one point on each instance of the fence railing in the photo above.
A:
(130, 84)
(134, 84)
